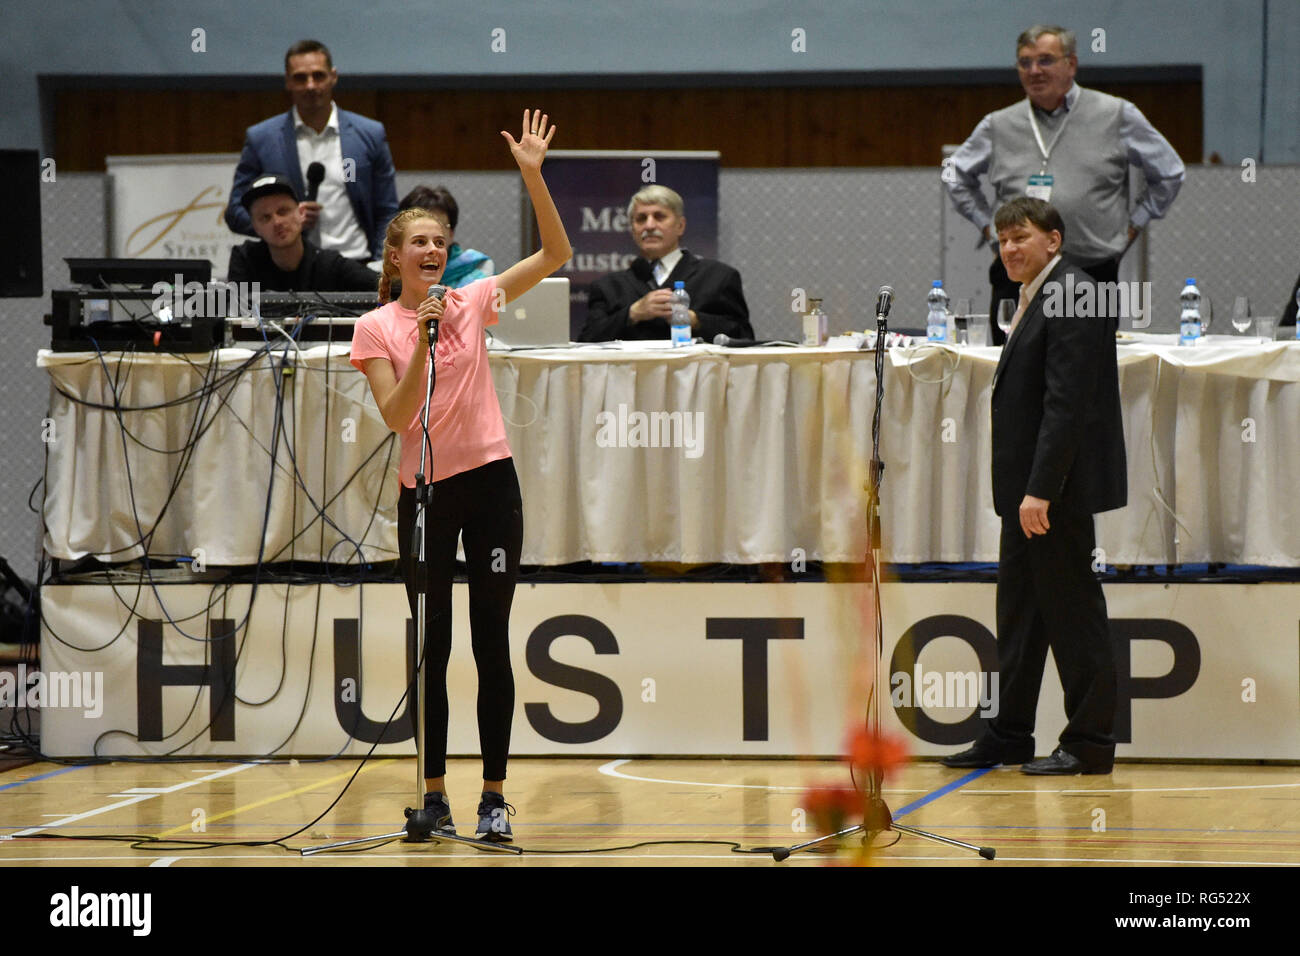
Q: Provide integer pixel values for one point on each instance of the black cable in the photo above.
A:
(203, 395)
(239, 626)
(157, 844)
(190, 444)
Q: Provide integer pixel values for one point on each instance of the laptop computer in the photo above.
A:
(538, 318)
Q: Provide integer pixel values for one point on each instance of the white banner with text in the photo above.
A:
(172, 207)
(1204, 671)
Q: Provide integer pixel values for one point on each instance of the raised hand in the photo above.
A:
(530, 149)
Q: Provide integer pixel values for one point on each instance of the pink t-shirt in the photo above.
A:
(465, 425)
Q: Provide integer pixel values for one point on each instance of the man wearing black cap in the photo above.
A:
(282, 260)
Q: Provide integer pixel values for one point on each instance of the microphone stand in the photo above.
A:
(419, 821)
(877, 818)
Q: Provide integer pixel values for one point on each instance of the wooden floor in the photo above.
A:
(1142, 814)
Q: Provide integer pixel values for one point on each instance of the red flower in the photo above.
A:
(868, 751)
(833, 808)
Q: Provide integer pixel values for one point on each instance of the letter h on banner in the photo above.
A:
(152, 675)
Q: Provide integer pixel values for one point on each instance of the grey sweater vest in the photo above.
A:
(1088, 163)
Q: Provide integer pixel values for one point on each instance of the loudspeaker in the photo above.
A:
(20, 239)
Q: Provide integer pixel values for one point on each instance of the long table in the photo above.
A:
(651, 454)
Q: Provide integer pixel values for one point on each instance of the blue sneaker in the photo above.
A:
(494, 818)
(436, 804)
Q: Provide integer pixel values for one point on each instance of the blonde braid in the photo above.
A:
(386, 277)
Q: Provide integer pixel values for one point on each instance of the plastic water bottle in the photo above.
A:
(936, 325)
(681, 315)
(814, 325)
(1189, 325)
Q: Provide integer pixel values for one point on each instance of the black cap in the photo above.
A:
(268, 186)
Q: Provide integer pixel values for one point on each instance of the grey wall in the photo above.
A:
(1252, 83)
(72, 224)
(841, 234)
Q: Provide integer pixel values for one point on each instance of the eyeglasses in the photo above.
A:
(1045, 62)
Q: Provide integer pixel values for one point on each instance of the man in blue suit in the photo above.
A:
(357, 195)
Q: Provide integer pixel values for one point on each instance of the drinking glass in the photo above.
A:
(1006, 312)
(1241, 314)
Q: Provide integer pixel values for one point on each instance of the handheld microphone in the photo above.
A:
(315, 173)
(884, 301)
(436, 291)
(725, 340)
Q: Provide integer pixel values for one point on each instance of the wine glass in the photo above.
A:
(1006, 312)
(1241, 314)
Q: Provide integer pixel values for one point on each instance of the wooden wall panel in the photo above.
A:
(458, 129)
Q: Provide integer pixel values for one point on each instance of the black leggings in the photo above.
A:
(484, 504)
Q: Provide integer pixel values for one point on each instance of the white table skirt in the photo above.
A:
(650, 454)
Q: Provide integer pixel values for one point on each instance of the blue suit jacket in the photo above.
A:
(271, 147)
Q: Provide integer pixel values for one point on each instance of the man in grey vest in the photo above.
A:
(1071, 147)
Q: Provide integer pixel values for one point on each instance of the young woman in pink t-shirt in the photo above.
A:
(475, 489)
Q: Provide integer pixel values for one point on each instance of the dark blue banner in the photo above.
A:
(591, 190)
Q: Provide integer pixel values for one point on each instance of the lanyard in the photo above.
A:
(1033, 123)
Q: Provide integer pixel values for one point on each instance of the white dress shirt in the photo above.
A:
(1027, 293)
(337, 227)
(667, 264)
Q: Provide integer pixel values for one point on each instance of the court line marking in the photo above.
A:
(942, 791)
(443, 859)
(648, 826)
(132, 800)
(611, 770)
(373, 765)
(165, 861)
(43, 776)
(1246, 786)
(1107, 861)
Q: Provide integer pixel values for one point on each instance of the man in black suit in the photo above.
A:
(1292, 306)
(637, 302)
(1058, 459)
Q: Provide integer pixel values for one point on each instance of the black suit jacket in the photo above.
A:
(321, 270)
(1289, 310)
(1057, 429)
(716, 298)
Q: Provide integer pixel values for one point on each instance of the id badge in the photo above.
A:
(1040, 187)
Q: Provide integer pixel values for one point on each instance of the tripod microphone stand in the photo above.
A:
(877, 818)
(419, 821)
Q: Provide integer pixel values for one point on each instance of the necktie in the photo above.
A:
(660, 273)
